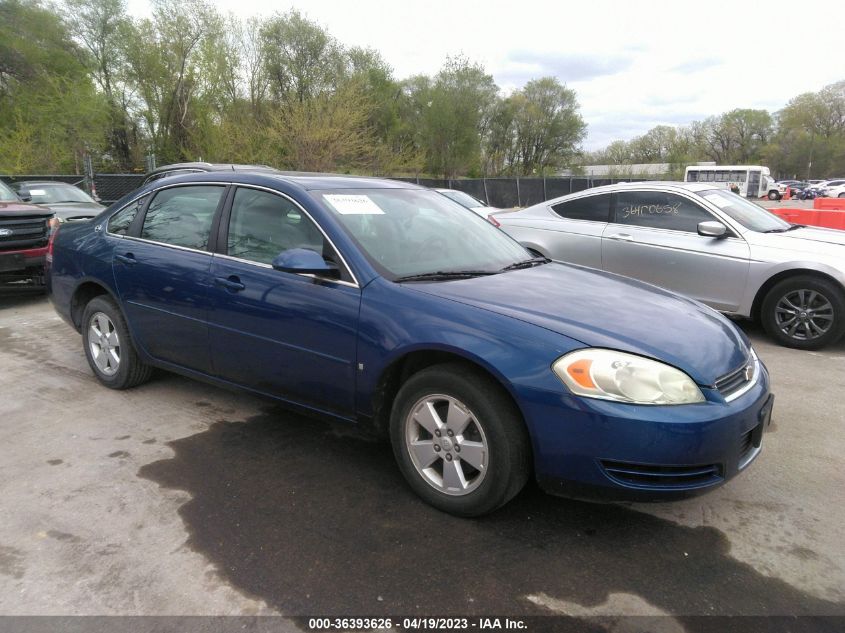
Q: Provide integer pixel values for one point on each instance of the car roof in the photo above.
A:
(201, 166)
(651, 184)
(305, 180)
(42, 183)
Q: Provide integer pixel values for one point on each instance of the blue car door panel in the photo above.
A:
(288, 335)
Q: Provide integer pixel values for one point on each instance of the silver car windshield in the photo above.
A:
(6, 194)
(410, 232)
(463, 199)
(750, 215)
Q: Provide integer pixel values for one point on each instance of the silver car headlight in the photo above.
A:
(612, 375)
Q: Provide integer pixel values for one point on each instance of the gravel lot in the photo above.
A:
(181, 498)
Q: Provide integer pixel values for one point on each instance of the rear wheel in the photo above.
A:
(459, 440)
(841, 195)
(108, 346)
(804, 312)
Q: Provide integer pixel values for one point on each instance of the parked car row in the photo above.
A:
(29, 212)
(833, 188)
(385, 303)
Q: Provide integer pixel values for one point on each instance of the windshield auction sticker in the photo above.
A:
(353, 204)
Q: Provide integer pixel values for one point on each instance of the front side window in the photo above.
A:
(659, 210)
(182, 216)
(262, 225)
(120, 222)
(595, 208)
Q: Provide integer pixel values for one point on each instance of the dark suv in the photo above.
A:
(24, 233)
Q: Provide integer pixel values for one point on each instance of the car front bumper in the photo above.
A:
(21, 261)
(595, 448)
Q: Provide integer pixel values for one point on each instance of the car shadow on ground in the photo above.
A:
(314, 518)
(16, 295)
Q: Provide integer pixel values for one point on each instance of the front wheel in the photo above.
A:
(459, 440)
(804, 312)
(108, 346)
(841, 195)
(774, 195)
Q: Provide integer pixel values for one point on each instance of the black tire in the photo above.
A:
(774, 319)
(774, 195)
(129, 371)
(508, 452)
(841, 195)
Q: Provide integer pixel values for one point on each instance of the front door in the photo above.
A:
(654, 237)
(288, 335)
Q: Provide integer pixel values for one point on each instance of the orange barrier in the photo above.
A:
(826, 218)
(837, 204)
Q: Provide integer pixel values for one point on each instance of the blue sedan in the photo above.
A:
(385, 303)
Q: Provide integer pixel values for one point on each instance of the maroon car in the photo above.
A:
(24, 233)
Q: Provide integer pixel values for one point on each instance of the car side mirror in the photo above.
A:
(304, 261)
(712, 229)
(24, 196)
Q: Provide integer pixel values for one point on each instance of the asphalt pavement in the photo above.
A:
(178, 498)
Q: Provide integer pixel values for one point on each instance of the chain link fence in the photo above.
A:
(504, 193)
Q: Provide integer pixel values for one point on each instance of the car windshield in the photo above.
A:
(750, 215)
(6, 194)
(463, 199)
(412, 232)
(54, 194)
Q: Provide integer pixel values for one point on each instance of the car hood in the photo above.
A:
(68, 210)
(604, 310)
(23, 209)
(811, 240)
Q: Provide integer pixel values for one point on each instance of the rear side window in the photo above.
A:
(120, 222)
(594, 208)
(182, 216)
(262, 225)
(659, 210)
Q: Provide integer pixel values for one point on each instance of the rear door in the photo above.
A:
(289, 335)
(654, 237)
(571, 233)
(161, 269)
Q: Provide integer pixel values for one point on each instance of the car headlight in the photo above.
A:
(612, 375)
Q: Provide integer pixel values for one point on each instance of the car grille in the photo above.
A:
(733, 383)
(663, 476)
(26, 232)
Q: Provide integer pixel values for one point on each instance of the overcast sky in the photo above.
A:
(633, 64)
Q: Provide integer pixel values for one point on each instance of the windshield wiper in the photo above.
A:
(445, 275)
(528, 263)
(791, 227)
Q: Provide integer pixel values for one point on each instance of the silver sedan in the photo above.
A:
(707, 243)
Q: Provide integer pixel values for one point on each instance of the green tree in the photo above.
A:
(50, 111)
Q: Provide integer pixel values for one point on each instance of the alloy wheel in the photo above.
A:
(447, 444)
(804, 315)
(104, 344)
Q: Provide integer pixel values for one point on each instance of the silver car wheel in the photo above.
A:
(104, 344)
(804, 315)
(446, 444)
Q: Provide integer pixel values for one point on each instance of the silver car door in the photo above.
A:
(569, 230)
(654, 237)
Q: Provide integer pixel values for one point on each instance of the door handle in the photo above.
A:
(231, 283)
(128, 259)
(624, 237)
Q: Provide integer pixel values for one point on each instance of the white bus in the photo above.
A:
(753, 181)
